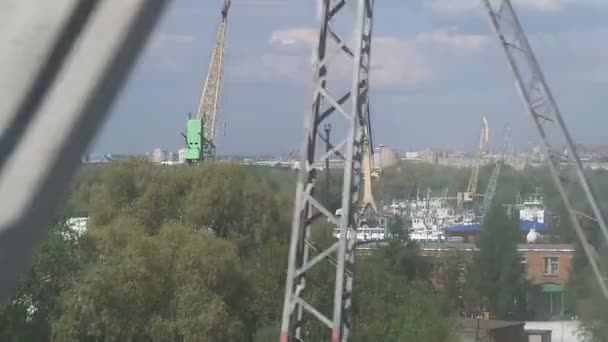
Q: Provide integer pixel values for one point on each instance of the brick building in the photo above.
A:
(547, 268)
(547, 264)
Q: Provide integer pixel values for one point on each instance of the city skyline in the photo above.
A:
(421, 93)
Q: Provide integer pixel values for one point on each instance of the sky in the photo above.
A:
(438, 69)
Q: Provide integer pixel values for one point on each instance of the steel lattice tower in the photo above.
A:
(352, 108)
(547, 118)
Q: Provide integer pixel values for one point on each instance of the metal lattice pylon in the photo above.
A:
(545, 113)
(351, 107)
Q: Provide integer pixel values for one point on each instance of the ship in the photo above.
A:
(468, 222)
(429, 217)
(532, 217)
(367, 232)
(532, 214)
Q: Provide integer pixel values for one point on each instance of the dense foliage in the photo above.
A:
(199, 254)
(498, 263)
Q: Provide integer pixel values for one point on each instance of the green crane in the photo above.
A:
(201, 130)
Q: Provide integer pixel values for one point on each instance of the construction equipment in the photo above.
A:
(368, 205)
(491, 189)
(468, 196)
(201, 131)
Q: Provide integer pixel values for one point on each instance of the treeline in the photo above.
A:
(199, 254)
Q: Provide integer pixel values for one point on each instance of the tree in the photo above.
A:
(453, 288)
(36, 302)
(394, 301)
(177, 285)
(497, 275)
(588, 297)
(199, 253)
(396, 229)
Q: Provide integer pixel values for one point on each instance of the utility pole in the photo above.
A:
(352, 107)
(327, 149)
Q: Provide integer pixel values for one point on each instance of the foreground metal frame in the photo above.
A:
(545, 113)
(308, 206)
(58, 115)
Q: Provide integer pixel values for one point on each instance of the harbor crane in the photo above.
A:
(201, 130)
(467, 197)
(352, 107)
(369, 210)
(491, 189)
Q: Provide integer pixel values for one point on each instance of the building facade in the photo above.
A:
(547, 269)
(547, 264)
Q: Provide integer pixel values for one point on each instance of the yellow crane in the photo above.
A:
(467, 196)
(201, 130)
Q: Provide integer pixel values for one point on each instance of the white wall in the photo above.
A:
(561, 331)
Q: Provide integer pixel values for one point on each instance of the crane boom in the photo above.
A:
(483, 141)
(202, 129)
(367, 202)
(467, 196)
(491, 189)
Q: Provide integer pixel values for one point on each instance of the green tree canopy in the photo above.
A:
(497, 274)
(177, 285)
(394, 300)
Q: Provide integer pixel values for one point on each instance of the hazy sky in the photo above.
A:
(440, 69)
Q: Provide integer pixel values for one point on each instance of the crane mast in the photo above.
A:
(368, 204)
(202, 129)
(467, 197)
(491, 189)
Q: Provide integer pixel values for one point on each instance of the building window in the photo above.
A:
(552, 266)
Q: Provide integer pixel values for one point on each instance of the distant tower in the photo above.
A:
(159, 155)
(181, 155)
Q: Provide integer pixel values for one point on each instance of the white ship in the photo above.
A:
(429, 217)
(532, 214)
(365, 233)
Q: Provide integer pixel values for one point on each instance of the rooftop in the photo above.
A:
(521, 247)
(485, 324)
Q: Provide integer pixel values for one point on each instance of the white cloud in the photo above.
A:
(395, 61)
(398, 62)
(450, 38)
(450, 6)
(306, 37)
